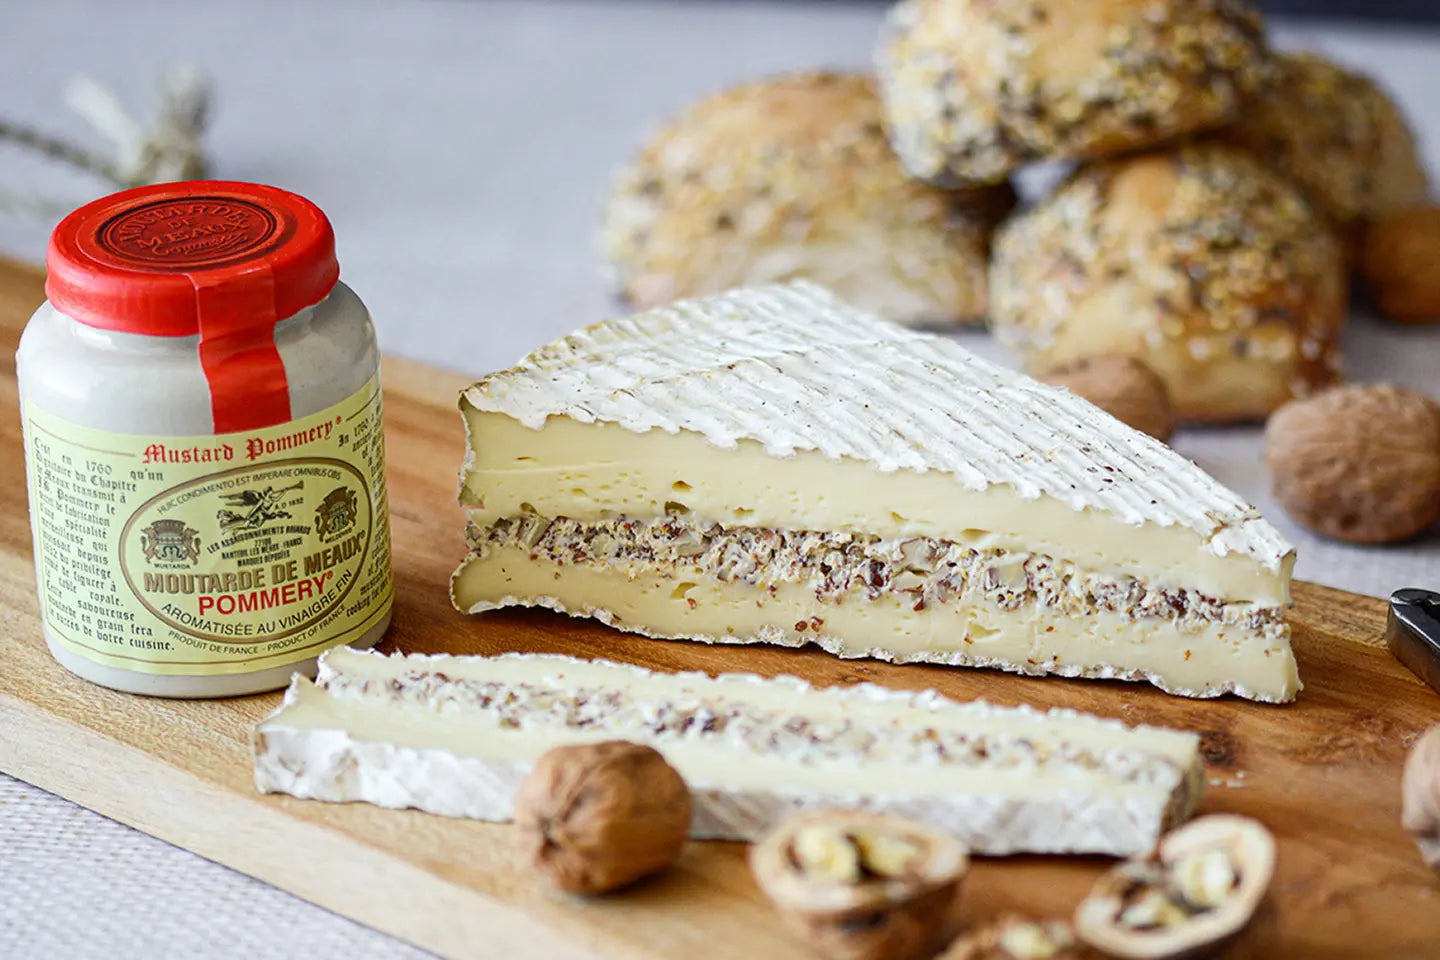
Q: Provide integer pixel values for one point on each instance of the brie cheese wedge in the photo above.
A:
(455, 735)
(771, 465)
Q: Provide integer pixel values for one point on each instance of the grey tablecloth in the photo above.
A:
(462, 150)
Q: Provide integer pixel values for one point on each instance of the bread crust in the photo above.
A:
(1199, 261)
(793, 178)
(1338, 136)
(975, 88)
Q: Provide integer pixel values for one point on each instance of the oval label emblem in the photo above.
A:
(250, 555)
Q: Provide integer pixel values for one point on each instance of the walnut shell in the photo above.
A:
(597, 817)
(1400, 261)
(862, 886)
(1197, 892)
(1420, 811)
(1013, 936)
(1123, 387)
(1358, 463)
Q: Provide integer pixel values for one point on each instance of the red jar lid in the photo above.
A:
(153, 259)
(223, 260)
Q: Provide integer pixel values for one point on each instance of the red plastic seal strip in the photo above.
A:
(248, 388)
(216, 260)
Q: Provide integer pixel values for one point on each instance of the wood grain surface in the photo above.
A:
(1323, 773)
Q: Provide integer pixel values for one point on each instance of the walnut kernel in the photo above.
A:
(1360, 464)
(1123, 387)
(600, 816)
(1400, 261)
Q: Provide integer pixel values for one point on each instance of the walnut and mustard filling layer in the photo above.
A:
(755, 729)
(929, 571)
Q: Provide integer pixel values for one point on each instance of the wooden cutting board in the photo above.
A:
(1323, 773)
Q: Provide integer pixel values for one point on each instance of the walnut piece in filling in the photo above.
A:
(926, 571)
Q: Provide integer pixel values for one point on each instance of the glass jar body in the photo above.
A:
(135, 385)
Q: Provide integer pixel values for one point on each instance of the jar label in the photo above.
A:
(215, 554)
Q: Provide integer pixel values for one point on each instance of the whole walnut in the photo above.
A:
(1400, 260)
(597, 817)
(1123, 387)
(1358, 463)
(1420, 811)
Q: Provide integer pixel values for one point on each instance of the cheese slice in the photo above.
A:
(772, 465)
(455, 735)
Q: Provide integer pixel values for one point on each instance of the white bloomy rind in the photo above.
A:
(795, 369)
(408, 732)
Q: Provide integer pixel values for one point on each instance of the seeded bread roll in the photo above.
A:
(1338, 136)
(793, 178)
(1201, 262)
(975, 88)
